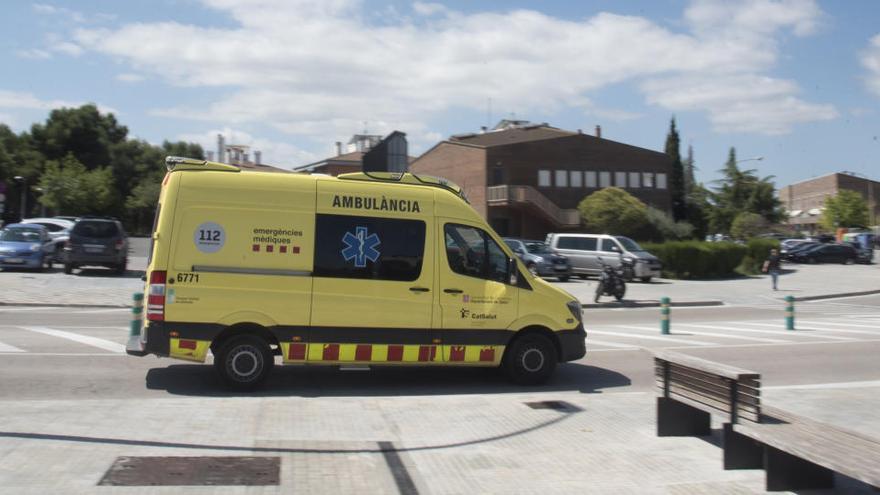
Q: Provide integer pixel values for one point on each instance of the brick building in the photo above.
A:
(527, 180)
(805, 200)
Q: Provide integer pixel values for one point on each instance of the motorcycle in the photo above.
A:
(612, 279)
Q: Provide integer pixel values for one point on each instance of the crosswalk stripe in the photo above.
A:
(793, 333)
(82, 339)
(649, 337)
(807, 326)
(714, 334)
(9, 348)
(834, 323)
(605, 343)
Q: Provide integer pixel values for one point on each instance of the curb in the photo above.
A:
(652, 304)
(835, 296)
(57, 305)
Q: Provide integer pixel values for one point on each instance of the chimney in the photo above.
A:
(210, 156)
(598, 131)
(221, 148)
(258, 157)
(338, 148)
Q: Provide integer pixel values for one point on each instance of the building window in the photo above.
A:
(561, 178)
(368, 247)
(577, 178)
(620, 179)
(497, 176)
(648, 180)
(661, 181)
(604, 179)
(543, 178)
(472, 252)
(590, 177)
(634, 180)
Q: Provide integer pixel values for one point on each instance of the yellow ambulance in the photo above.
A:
(361, 269)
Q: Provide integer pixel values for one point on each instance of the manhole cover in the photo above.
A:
(558, 405)
(177, 471)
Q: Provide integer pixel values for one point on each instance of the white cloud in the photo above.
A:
(67, 48)
(739, 103)
(871, 61)
(27, 101)
(337, 68)
(279, 154)
(130, 77)
(34, 54)
(51, 10)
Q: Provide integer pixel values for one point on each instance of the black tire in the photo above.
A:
(530, 359)
(620, 293)
(58, 255)
(244, 362)
(563, 278)
(42, 267)
(583, 276)
(812, 261)
(849, 261)
(68, 268)
(121, 268)
(600, 290)
(646, 280)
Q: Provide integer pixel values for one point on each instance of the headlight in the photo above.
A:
(576, 310)
(35, 247)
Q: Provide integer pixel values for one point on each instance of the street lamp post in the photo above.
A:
(754, 158)
(23, 182)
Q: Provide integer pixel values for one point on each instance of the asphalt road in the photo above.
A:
(78, 353)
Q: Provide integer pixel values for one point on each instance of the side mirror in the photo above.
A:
(512, 272)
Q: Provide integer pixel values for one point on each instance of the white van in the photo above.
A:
(584, 250)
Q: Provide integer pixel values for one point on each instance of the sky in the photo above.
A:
(796, 82)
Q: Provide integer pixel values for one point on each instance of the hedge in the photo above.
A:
(696, 259)
(758, 252)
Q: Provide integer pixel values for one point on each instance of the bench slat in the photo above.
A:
(706, 366)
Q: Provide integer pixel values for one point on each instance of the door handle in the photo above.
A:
(453, 291)
(420, 289)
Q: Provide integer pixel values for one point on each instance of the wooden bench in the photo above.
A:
(795, 452)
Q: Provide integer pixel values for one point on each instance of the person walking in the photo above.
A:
(771, 266)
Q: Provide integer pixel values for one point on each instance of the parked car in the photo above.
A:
(25, 246)
(583, 252)
(826, 253)
(864, 255)
(789, 252)
(59, 231)
(96, 242)
(540, 259)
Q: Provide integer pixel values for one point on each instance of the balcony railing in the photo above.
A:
(529, 195)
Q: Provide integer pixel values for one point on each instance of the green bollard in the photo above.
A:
(789, 312)
(664, 315)
(137, 309)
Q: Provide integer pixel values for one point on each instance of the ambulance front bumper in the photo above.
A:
(573, 343)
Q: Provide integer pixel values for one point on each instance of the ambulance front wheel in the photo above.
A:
(530, 360)
(244, 362)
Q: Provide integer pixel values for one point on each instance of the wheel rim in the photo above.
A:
(532, 360)
(244, 363)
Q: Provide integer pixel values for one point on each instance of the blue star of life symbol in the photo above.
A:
(360, 247)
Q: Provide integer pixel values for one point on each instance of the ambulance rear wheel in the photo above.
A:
(530, 360)
(244, 362)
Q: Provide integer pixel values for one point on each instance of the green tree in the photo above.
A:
(614, 211)
(690, 167)
(742, 191)
(747, 225)
(665, 228)
(846, 209)
(70, 189)
(84, 132)
(677, 183)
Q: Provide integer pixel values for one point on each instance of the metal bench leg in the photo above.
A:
(675, 419)
(786, 472)
(740, 451)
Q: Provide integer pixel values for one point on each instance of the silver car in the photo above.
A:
(584, 250)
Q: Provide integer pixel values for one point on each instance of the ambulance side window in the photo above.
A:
(369, 247)
(470, 251)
